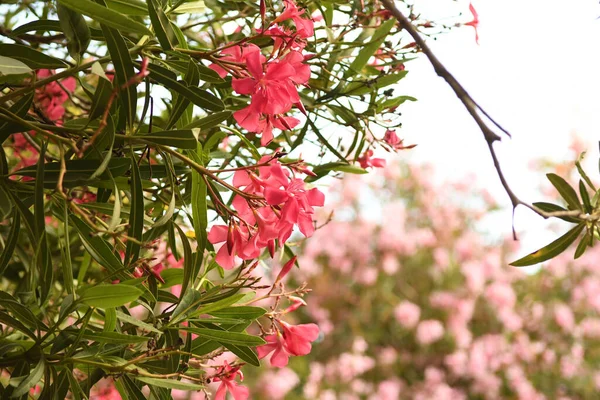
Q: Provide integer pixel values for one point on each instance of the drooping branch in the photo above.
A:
(478, 114)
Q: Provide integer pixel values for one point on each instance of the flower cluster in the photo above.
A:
(453, 320)
(272, 81)
(258, 224)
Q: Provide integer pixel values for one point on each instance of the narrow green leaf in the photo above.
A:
(585, 197)
(134, 321)
(191, 7)
(11, 243)
(136, 218)
(245, 353)
(551, 250)
(65, 245)
(181, 139)
(107, 296)
(101, 97)
(217, 305)
(114, 337)
(42, 25)
(12, 66)
(20, 108)
(192, 78)
(209, 121)
(241, 339)
(241, 312)
(14, 323)
(128, 7)
(6, 205)
(98, 248)
(190, 299)
(582, 246)
(582, 172)
(172, 203)
(160, 22)
(35, 375)
(565, 190)
(76, 30)
(134, 393)
(106, 16)
(549, 207)
(32, 58)
(199, 97)
(188, 261)
(368, 50)
(169, 383)
(20, 312)
(119, 53)
(110, 320)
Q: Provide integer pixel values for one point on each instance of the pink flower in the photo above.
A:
(52, 96)
(292, 340)
(394, 141)
(475, 22)
(429, 331)
(226, 375)
(407, 314)
(366, 160)
(564, 317)
(304, 27)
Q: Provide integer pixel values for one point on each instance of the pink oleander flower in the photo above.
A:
(227, 375)
(292, 340)
(395, 142)
(52, 96)
(304, 26)
(429, 331)
(366, 160)
(563, 316)
(475, 22)
(407, 314)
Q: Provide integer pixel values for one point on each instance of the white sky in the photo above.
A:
(536, 71)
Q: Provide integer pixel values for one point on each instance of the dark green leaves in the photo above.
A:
(107, 296)
(235, 338)
(551, 250)
(105, 16)
(161, 24)
(170, 384)
(136, 217)
(209, 121)
(181, 139)
(566, 191)
(32, 58)
(75, 29)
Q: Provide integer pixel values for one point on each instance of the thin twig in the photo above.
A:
(474, 110)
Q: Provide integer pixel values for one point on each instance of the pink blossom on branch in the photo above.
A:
(291, 340)
(227, 376)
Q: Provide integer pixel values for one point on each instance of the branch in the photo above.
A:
(476, 113)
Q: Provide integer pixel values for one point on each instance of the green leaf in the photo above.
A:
(218, 305)
(160, 22)
(65, 246)
(128, 7)
(549, 207)
(6, 205)
(107, 296)
(189, 270)
(324, 169)
(31, 380)
(170, 384)
(21, 312)
(14, 323)
(98, 248)
(43, 257)
(110, 320)
(76, 30)
(182, 105)
(181, 139)
(11, 243)
(583, 243)
(119, 53)
(235, 338)
(106, 16)
(199, 97)
(101, 98)
(209, 121)
(585, 197)
(551, 250)
(132, 391)
(20, 108)
(241, 312)
(32, 58)
(245, 353)
(134, 321)
(114, 337)
(42, 25)
(11, 66)
(192, 7)
(136, 218)
(566, 191)
(190, 299)
(78, 171)
(368, 50)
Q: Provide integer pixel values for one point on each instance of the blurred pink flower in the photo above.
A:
(407, 314)
(564, 317)
(429, 331)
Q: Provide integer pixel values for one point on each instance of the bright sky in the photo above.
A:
(536, 71)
